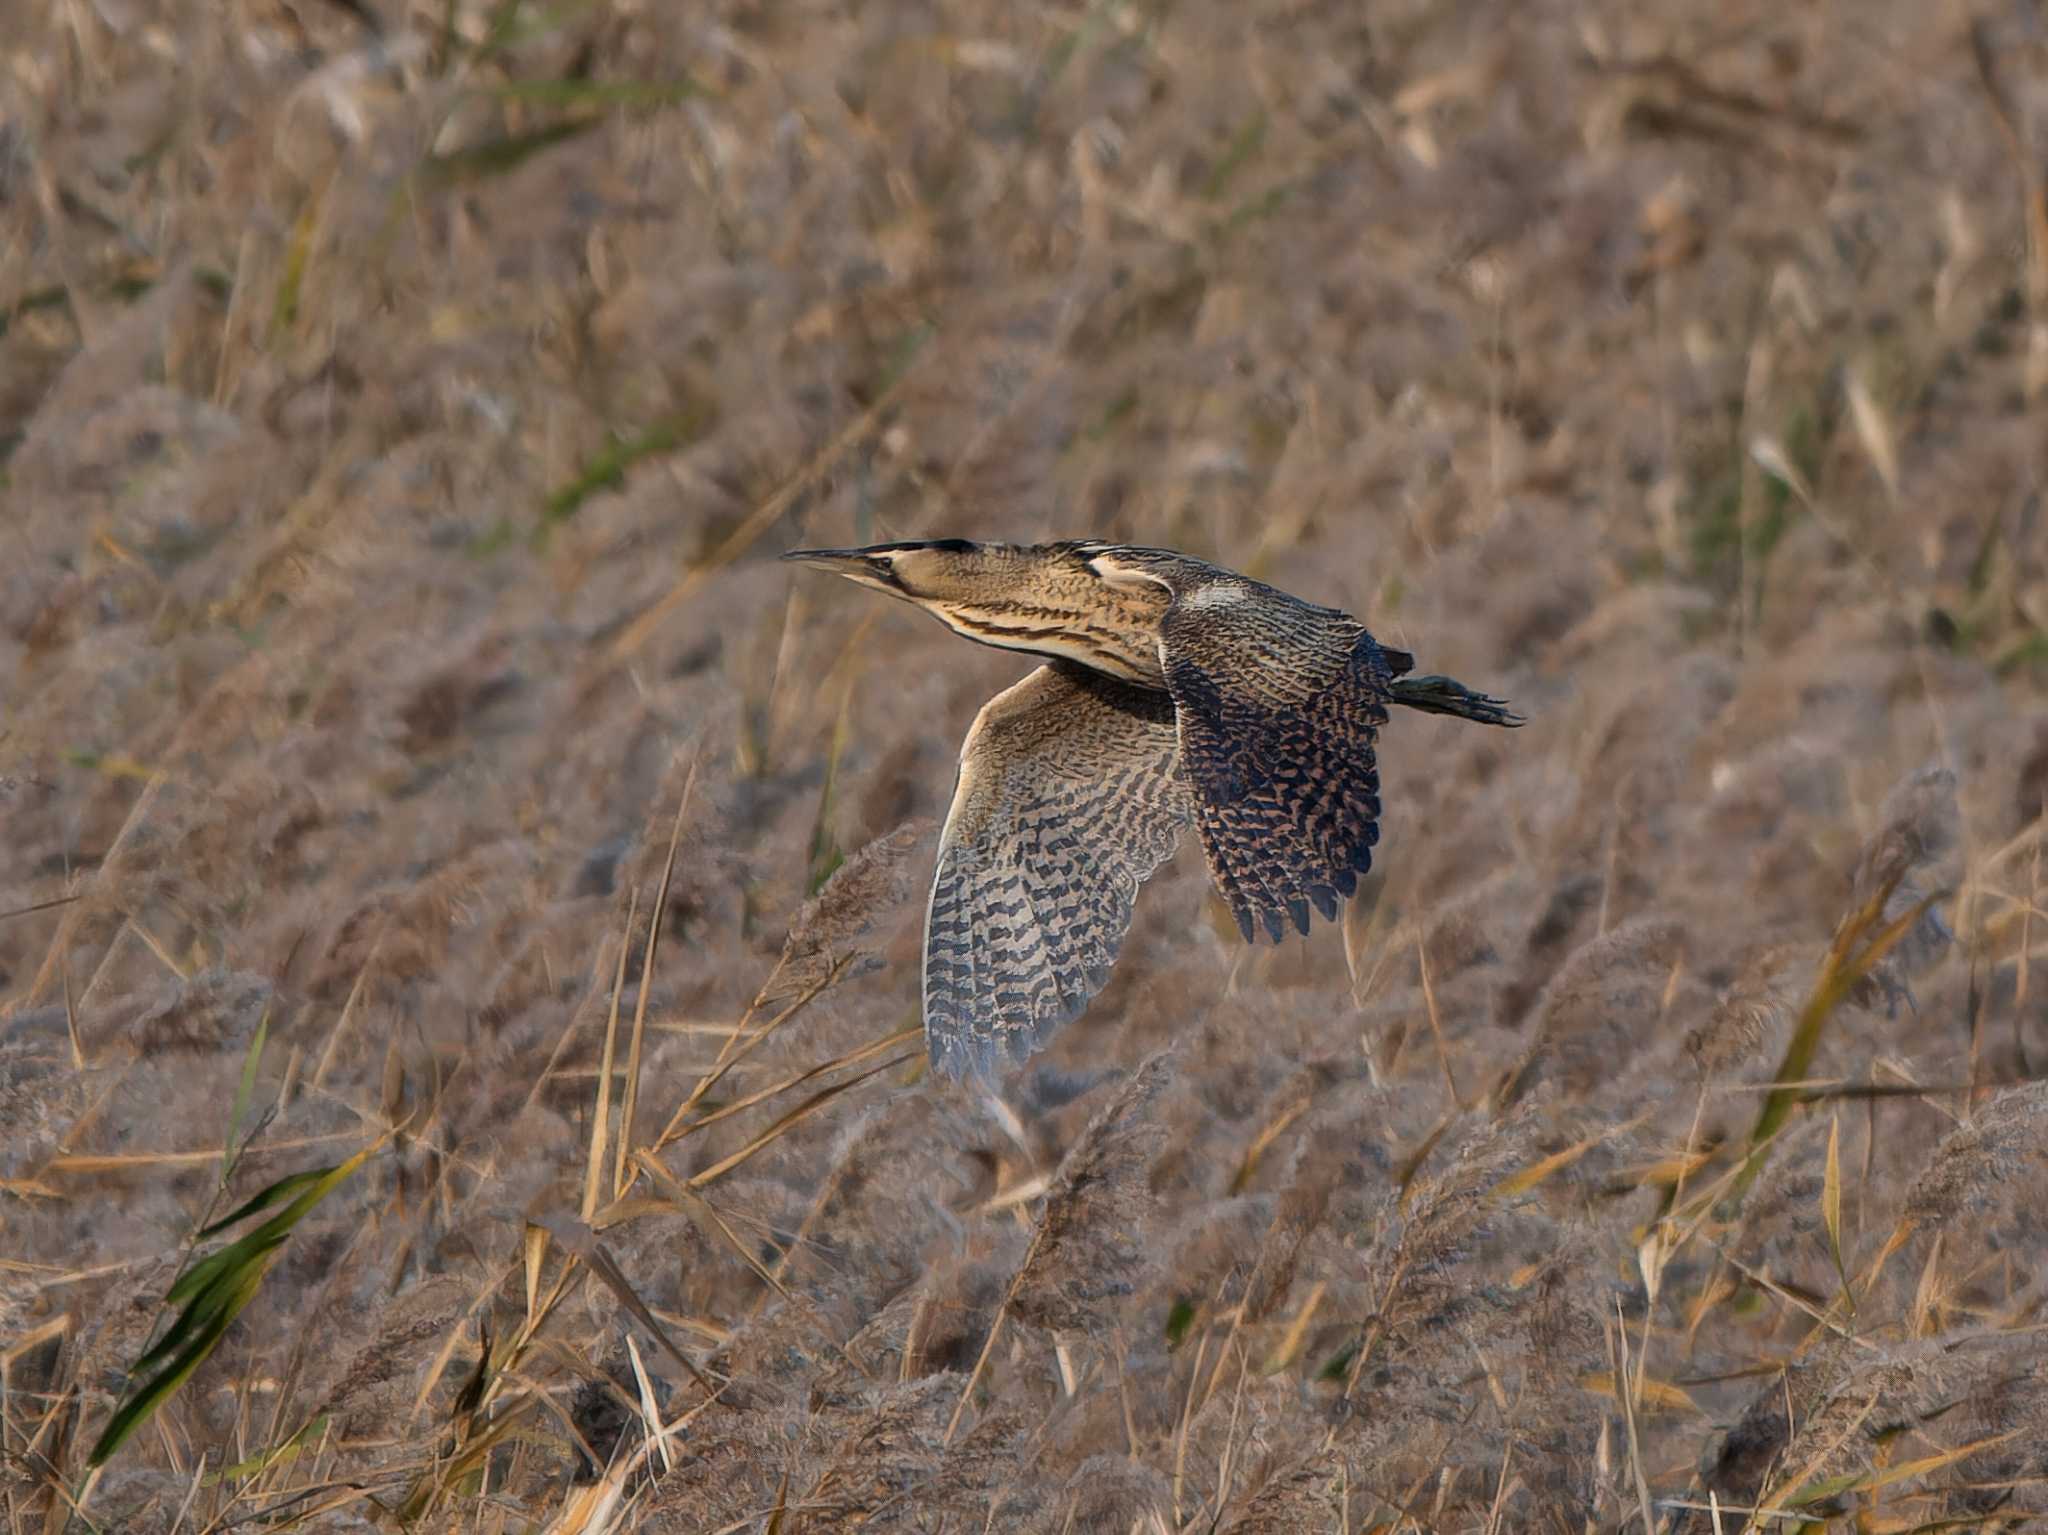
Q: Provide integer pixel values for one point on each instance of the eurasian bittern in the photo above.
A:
(1177, 692)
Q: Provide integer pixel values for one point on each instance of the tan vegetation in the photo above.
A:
(409, 747)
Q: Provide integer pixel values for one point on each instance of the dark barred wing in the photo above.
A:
(1279, 704)
(1069, 797)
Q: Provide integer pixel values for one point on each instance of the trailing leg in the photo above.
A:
(1440, 695)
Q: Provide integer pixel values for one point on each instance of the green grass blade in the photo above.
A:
(210, 1270)
(276, 1193)
(279, 1226)
(826, 853)
(1243, 148)
(276, 1455)
(607, 470)
(244, 1091)
(494, 157)
(597, 95)
(1844, 966)
(201, 1313)
(134, 1412)
(213, 1293)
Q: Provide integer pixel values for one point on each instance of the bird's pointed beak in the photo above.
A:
(858, 565)
(844, 561)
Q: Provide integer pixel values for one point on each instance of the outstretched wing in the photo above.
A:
(1069, 797)
(1279, 704)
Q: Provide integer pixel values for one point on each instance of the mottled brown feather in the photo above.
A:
(1069, 796)
(1279, 704)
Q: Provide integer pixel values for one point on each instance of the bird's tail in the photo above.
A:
(1440, 695)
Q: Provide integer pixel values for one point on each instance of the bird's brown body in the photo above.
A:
(1177, 694)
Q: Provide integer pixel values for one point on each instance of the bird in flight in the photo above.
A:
(1175, 693)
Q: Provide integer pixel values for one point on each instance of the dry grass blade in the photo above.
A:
(29, 911)
(1874, 432)
(650, 1410)
(470, 1395)
(1436, 1027)
(1772, 1288)
(331, 1051)
(1288, 1349)
(1410, 1166)
(1984, 51)
(430, 1489)
(1831, 1208)
(701, 1210)
(1530, 1176)
(1628, 1416)
(1769, 455)
(795, 1116)
(761, 1095)
(57, 1327)
(654, 927)
(1261, 1143)
(131, 1161)
(823, 944)
(1661, 1395)
(533, 1253)
(600, 1118)
(67, 928)
(588, 1250)
(1926, 1294)
(739, 1045)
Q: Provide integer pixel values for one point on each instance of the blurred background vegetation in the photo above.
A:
(407, 738)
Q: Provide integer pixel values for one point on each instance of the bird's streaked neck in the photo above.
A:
(1104, 641)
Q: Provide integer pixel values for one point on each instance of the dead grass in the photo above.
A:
(407, 746)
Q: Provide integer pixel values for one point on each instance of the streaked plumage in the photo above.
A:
(1178, 693)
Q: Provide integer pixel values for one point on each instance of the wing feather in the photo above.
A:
(1069, 797)
(1279, 705)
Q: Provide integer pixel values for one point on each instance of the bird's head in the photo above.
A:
(1043, 598)
(934, 573)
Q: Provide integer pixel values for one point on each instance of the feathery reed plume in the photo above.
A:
(1086, 1247)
